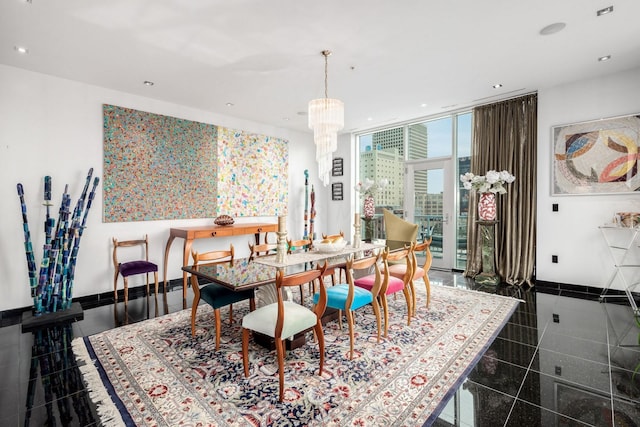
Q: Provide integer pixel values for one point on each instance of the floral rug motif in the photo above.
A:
(154, 373)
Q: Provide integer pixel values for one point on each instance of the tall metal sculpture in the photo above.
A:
(312, 214)
(51, 289)
(306, 203)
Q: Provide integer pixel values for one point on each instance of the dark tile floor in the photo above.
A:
(562, 360)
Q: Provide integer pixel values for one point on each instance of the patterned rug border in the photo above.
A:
(113, 412)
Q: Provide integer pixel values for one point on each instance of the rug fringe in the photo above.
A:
(105, 408)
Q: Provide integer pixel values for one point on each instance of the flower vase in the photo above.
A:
(369, 207)
(487, 207)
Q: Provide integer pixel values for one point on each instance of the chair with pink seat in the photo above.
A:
(390, 284)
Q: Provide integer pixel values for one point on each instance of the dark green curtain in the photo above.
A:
(505, 138)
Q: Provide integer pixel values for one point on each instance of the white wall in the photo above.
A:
(52, 126)
(572, 233)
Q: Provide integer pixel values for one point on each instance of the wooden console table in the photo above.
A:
(189, 234)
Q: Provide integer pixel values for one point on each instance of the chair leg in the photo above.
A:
(340, 319)
(407, 298)
(280, 354)
(252, 304)
(126, 291)
(376, 310)
(155, 277)
(319, 334)
(349, 314)
(245, 351)
(216, 314)
(301, 294)
(413, 297)
(115, 287)
(147, 277)
(385, 311)
(427, 284)
(194, 309)
(230, 313)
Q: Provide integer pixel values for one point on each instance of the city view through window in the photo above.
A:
(389, 153)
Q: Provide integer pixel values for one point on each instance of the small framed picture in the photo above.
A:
(336, 191)
(337, 167)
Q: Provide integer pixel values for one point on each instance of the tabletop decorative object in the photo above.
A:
(488, 186)
(223, 220)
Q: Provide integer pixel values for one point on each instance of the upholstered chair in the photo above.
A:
(283, 319)
(422, 271)
(217, 296)
(399, 232)
(347, 297)
(132, 267)
(390, 284)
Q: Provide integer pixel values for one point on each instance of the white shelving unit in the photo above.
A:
(624, 246)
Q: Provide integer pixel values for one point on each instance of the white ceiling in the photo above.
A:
(389, 57)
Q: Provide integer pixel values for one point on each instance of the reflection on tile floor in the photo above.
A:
(560, 361)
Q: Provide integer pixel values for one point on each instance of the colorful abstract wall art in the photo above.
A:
(597, 157)
(159, 167)
(252, 174)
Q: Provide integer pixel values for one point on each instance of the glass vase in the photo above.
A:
(487, 210)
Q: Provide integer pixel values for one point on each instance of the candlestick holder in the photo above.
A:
(356, 235)
(281, 248)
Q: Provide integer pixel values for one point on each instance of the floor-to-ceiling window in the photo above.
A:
(435, 152)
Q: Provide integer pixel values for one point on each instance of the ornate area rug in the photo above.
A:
(154, 373)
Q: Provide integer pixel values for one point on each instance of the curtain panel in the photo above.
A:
(505, 138)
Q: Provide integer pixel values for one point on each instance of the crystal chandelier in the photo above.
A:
(326, 118)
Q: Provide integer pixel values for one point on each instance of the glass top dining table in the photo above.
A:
(245, 273)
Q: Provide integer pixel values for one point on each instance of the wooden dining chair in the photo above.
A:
(263, 249)
(390, 284)
(422, 271)
(217, 296)
(347, 297)
(301, 245)
(134, 267)
(284, 319)
(400, 264)
(333, 236)
(333, 270)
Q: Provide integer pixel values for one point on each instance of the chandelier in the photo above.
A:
(326, 118)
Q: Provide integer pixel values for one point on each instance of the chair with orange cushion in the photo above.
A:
(217, 296)
(401, 262)
(283, 319)
(131, 268)
(347, 297)
(391, 284)
(422, 272)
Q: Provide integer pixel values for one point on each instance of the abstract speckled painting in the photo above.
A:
(160, 167)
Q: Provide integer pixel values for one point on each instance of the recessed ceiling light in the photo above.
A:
(229, 104)
(286, 119)
(552, 28)
(604, 11)
(302, 113)
(423, 105)
(604, 58)
(497, 85)
(148, 83)
(21, 49)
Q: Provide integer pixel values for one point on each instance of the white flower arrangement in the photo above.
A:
(492, 182)
(369, 187)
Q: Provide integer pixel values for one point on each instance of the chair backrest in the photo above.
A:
(333, 236)
(217, 255)
(262, 249)
(130, 243)
(405, 255)
(363, 266)
(297, 279)
(399, 232)
(428, 257)
(302, 245)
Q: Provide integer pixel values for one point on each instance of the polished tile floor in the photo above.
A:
(564, 359)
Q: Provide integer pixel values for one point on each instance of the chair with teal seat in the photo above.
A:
(217, 296)
(390, 285)
(347, 297)
(284, 319)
